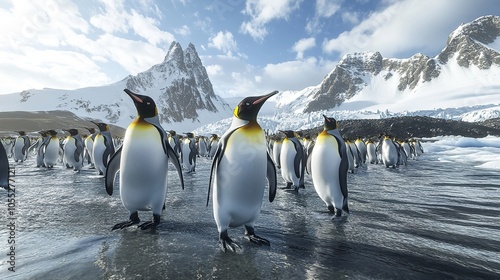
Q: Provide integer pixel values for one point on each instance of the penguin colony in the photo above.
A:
(244, 160)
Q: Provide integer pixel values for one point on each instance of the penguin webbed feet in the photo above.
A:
(227, 243)
(150, 224)
(134, 219)
(288, 186)
(250, 236)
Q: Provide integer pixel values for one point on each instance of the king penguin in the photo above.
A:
(389, 152)
(292, 161)
(143, 164)
(21, 146)
(239, 170)
(40, 148)
(51, 149)
(89, 146)
(189, 152)
(329, 168)
(103, 148)
(73, 150)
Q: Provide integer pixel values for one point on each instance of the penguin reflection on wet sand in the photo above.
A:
(329, 168)
(239, 170)
(143, 164)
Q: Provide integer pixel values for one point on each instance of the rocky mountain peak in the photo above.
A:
(471, 44)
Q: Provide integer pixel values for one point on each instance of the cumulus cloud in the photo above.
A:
(262, 12)
(224, 42)
(303, 45)
(323, 9)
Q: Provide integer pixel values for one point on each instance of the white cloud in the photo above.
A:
(214, 70)
(183, 30)
(302, 45)
(224, 42)
(323, 9)
(407, 26)
(262, 12)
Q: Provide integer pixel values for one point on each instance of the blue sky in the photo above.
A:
(249, 47)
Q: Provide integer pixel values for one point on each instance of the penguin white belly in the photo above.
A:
(240, 179)
(98, 152)
(287, 161)
(18, 150)
(325, 165)
(185, 153)
(143, 169)
(371, 153)
(276, 153)
(69, 152)
(51, 153)
(389, 153)
(89, 146)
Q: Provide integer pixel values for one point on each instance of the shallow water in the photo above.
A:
(428, 219)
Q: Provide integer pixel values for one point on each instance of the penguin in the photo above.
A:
(40, 148)
(21, 146)
(4, 168)
(189, 152)
(238, 174)
(292, 161)
(329, 168)
(73, 150)
(350, 156)
(202, 146)
(89, 146)
(212, 145)
(360, 144)
(103, 148)
(371, 153)
(51, 149)
(405, 147)
(389, 152)
(173, 140)
(143, 164)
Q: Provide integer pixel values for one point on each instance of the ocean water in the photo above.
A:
(436, 218)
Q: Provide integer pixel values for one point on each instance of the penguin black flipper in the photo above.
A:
(299, 155)
(166, 147)
(26, 145)
(271, 178)
(172, 155)
(4, 168)
(192, 152)
(78, 151)
(113, 167)
(108, 152)
(344, 166)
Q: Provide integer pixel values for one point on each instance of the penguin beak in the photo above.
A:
(265, 97)
(326, 118)
(133, 96)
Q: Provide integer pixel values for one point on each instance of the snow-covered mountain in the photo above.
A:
(179, 85)
(461, 82)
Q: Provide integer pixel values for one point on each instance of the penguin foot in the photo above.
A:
(250, 236)
(288, 186)
(331, 209)
(134, 219)
(227, 243)
(151, 224)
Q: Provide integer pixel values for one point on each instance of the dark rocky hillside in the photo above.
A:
(416, 126)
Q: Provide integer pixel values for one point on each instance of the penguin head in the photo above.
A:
(101, 126)
(189, 134)
(249, 107)
(172, 132)
(146, 107)
(72, 131)
(52, 132)
(21, 132)
(288, 133)
(330, 123)
(91, 129)
(42, 133)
